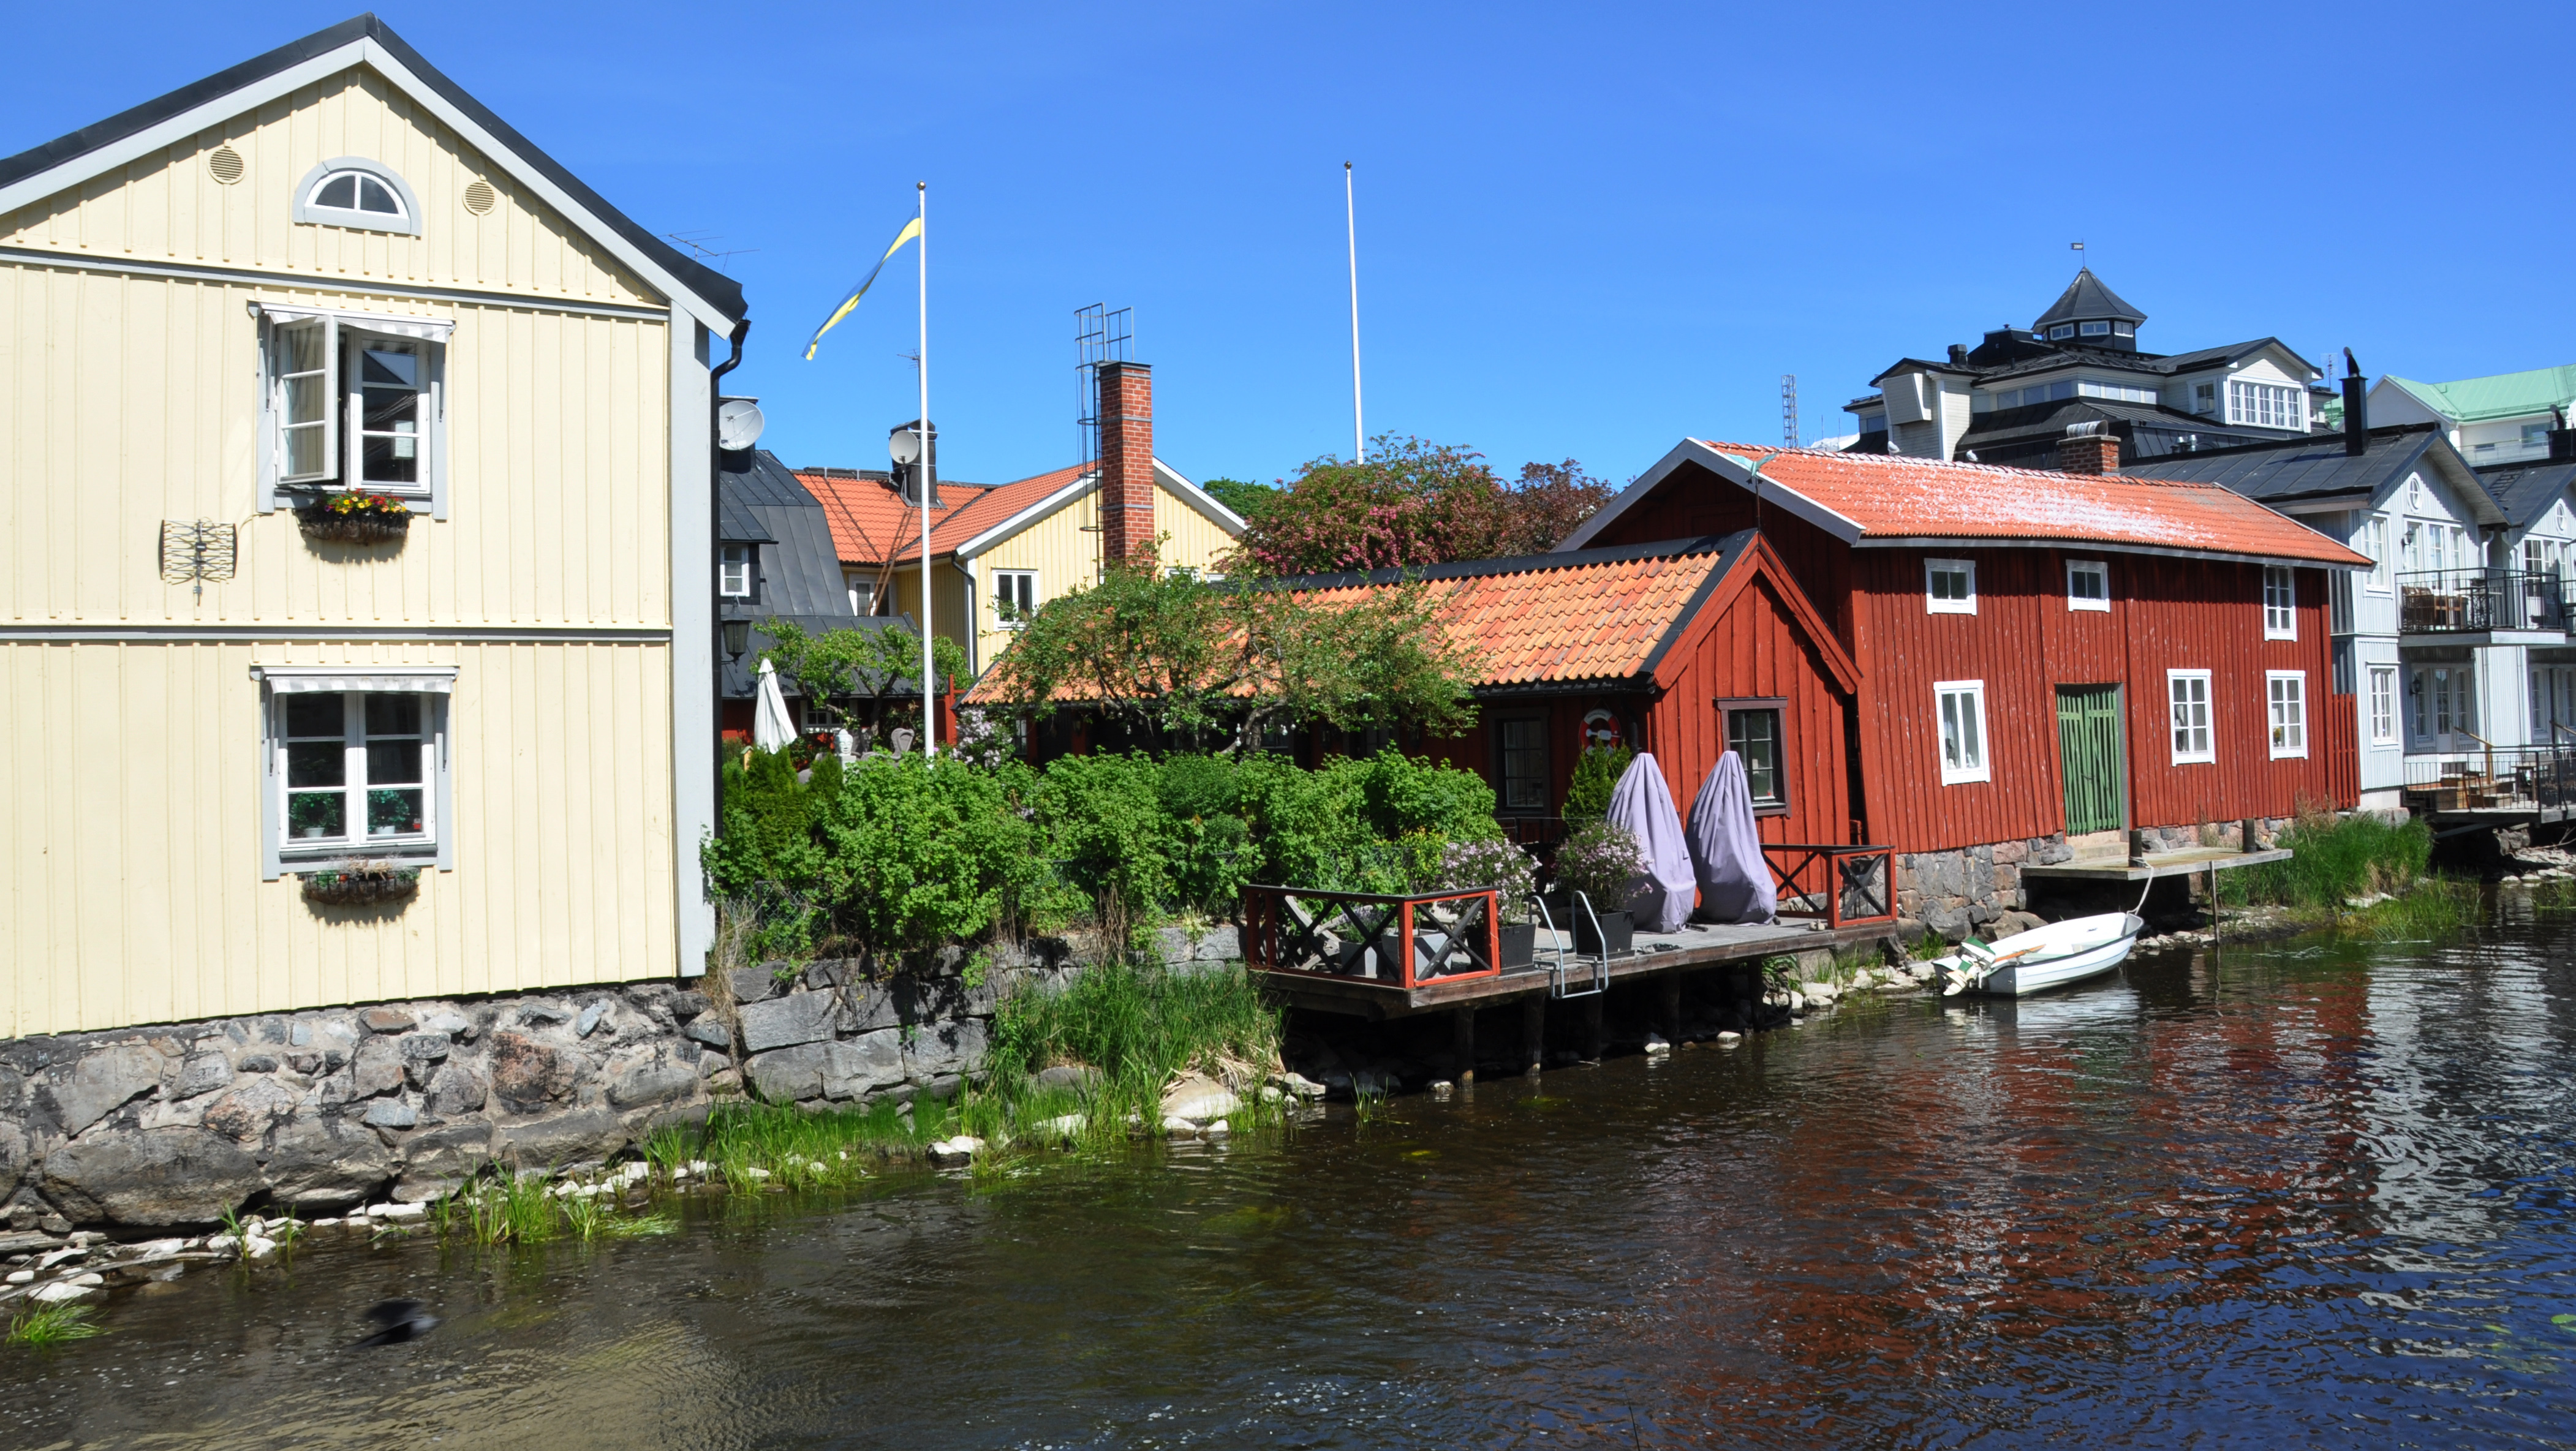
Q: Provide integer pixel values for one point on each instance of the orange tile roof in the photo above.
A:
(871, 524)
(1898, 496)
(1536, 621)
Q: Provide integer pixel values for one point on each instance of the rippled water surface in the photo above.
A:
(2318, 1194)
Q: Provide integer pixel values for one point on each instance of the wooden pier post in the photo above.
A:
(1533, 1033)
(1462, 1043)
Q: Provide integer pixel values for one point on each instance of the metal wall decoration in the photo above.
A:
(194, 551)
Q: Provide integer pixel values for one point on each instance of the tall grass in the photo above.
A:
(2333, 861)
(45, 1325)
(1138, 1027)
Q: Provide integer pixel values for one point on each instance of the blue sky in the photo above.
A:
(1584, 231)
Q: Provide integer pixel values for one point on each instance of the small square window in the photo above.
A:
(356, 772)
(2062, 330)
(733, 581)
(1960, 707)
(2088, 584)
(1753, 734)
(1950, 586)
(1015, 596)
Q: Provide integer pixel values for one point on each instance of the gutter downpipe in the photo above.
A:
(715, 547)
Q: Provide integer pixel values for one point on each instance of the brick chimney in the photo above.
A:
(1126, 459)
(2088, 448)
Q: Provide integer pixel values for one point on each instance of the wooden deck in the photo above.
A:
(1657, 954)
(2190, 862)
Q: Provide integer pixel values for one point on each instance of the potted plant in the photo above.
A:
(359, 884)
(1513, 876)
(1600, 861)
(354, 518)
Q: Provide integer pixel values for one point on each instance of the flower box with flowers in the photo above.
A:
(357, 884)
(354, 518)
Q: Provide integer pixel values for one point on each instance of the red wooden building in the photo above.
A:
(2037, 653)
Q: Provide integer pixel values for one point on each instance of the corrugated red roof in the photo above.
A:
(871, 523)
(1899, 496)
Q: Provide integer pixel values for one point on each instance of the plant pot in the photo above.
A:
(1519, 944)
(1618, 934)
(360, 888)
(367, 526)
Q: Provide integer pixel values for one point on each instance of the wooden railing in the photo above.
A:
(1398, 942)
(1845, 885)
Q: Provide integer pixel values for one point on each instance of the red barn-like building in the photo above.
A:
(2040, 656)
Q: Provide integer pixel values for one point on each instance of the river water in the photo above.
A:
(2315, 1194)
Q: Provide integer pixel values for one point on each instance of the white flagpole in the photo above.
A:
(1351, 228)
(929, 702)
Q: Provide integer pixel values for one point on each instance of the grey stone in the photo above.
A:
(1065, 1076)
(391, 1113)
(202, 1073)
(455, 1026)
(685, 1006)
(541, 1015)
(257, 1063)
(710, 1032)
(449, 1152)
(377, 1068)
(13, 1158)
(163, 1177)
(99, 1084)
(589, 1020)
(1171, 944)
(711, 1064)
(788, 1075)
(657, 1081)
(863, 1064)
(751, 984)
(585, 1136)
(526, 1074)
(1219, 944)
(783, 1022)
(386, 1020)
(2009, 923)
(874, 1005)
(325, 1163)
(455, 1090)
(426, 1047)
(943, 1048)
(301, 1034)
(248, 1111)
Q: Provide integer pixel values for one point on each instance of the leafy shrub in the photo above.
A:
(920, 855)
(1105, 828)
(1496, 863)
(1600, 861)
(1598, 769)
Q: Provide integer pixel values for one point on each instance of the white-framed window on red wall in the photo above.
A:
(2285, 697)
(1959, 712)
(2280, 603)
(2187, 693)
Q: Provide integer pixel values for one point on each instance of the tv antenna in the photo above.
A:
(1789, 409)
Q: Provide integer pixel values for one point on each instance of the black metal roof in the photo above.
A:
(2312, 467)
(2525, 491)
(719, 291)
(2086, 297)
(759, 501)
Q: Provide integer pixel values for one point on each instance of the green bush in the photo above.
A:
(1105, 828)
(921, 855)
(2333, 860)
(1598, 769)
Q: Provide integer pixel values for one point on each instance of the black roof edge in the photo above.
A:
(2306, 440)
(1508, 564)
(718, 290)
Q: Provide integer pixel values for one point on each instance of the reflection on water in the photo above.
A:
(2312, 1194)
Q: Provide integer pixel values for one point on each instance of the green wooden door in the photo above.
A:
(2088, 753)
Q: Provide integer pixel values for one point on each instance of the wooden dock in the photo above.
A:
(2189, 862)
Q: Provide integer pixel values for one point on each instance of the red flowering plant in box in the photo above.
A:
(353, 502)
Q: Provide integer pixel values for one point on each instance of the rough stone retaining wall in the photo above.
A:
(314, 1111)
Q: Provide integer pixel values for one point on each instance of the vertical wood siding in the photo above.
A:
(131, 833)
(1064, 548)
(1756, 649)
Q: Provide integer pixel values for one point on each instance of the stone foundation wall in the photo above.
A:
(315, 1111)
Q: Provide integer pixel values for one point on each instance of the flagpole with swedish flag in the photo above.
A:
(912, 232)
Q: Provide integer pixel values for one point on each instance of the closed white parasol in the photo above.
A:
(771, 727)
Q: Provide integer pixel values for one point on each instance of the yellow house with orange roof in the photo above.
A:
(1001, 549)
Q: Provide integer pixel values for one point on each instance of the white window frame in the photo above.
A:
(1933, 603)
(310, 212)
(2266, 405)
(2098, 568)
(2280, 602)
(744, 558)
(2285, 713)
(1025, 599)
(2374, 540)
(1963, 701)
(2383, 704)
(342, 332)
(2180, 727)
(863, 593)
(434, 684)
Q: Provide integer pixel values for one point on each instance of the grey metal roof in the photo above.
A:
(718, 290)
(2313, 467)
(2086, 297)
(759, 501)
(2525, 491)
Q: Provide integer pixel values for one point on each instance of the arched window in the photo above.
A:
(350, 191)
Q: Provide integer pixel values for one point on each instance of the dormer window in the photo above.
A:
(351, 191)
(2095, 329)
(2062, 330)
(2122, 329)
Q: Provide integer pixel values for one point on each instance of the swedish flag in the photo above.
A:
(911, 231)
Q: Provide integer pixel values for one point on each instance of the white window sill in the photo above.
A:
(1967, 778)
(2092, 607)
(2298, 754)
(2290, 635)
(2210, 760)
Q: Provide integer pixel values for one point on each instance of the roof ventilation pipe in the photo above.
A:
(2356, 408)
(2562, 439)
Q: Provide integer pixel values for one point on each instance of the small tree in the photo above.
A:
(1412, 503)
(838, 665)
(1177, 658)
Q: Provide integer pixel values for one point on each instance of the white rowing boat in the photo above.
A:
(2042, 958)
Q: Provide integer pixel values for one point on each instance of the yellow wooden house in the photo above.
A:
(226, 707)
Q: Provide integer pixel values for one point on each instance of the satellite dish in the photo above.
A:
(904, 446)
(738, 424)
